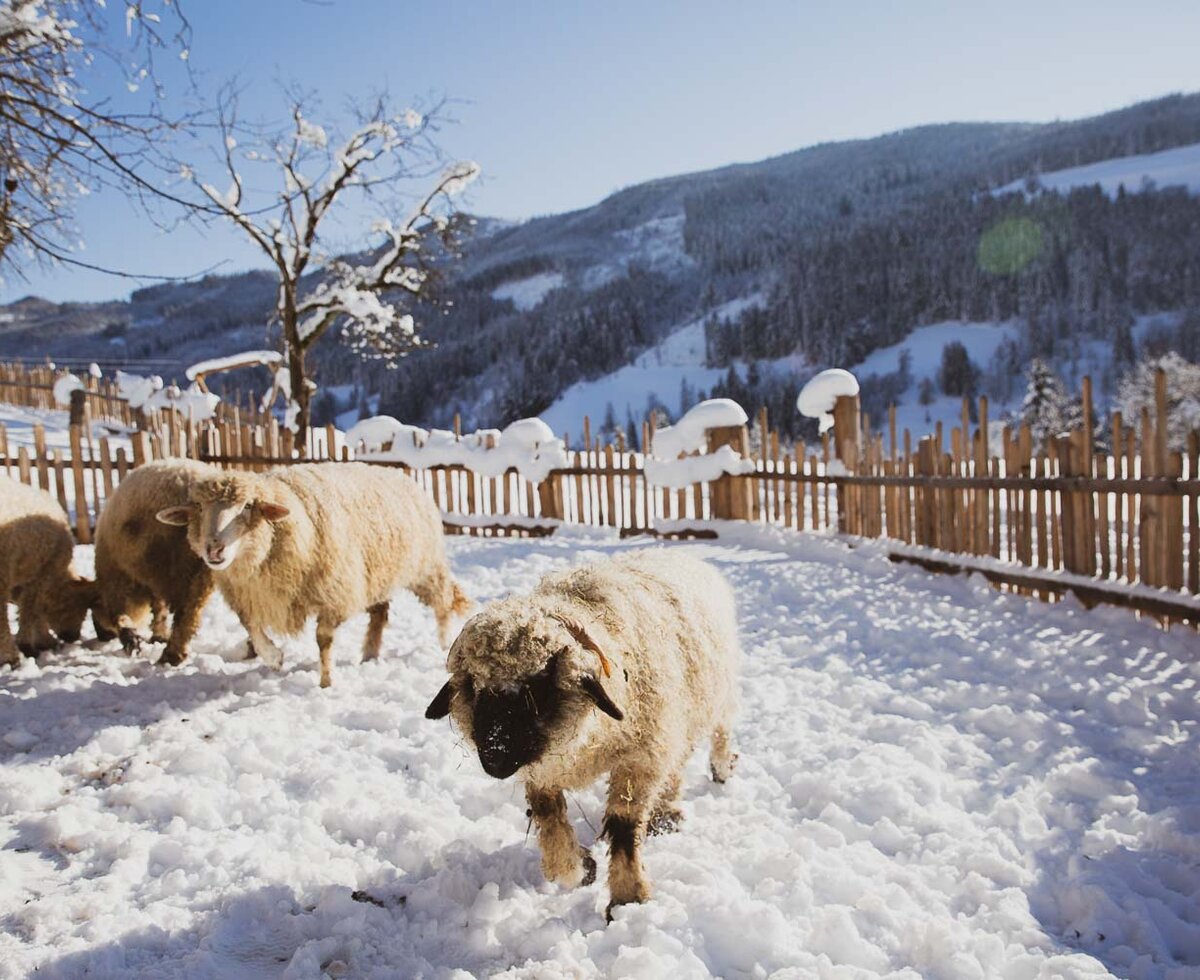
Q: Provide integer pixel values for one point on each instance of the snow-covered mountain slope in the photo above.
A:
(1178, 167)
(659, 372)
(936, 780)
(528, 292)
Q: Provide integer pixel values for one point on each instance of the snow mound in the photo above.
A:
(136, 389)
(190, 402)
(250, 358)
(817, 398)
(527, 445)
(665, 468)
(63, 386)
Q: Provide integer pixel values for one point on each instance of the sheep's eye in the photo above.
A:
(467, 689)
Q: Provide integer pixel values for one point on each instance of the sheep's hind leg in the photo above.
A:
(629, 795)
(563, 860)
(440, 593)
(666, 816)
(722, 760)
(374, 638)
(325, 630)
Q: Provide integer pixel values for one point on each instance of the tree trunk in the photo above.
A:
(301, 394)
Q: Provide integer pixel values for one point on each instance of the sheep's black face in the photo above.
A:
(510, 727)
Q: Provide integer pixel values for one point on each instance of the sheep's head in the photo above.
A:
(524, 683)
(67, 608)
(226, 516)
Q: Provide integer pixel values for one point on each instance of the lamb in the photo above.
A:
(330, 539)
(619, 667)
(144, 568)
(36, 548)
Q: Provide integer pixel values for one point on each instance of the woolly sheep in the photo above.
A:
(330, 539)
(619, 667)
(36, 548)
(144, 568)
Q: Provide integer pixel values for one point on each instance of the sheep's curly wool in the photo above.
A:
(660, 633)
(353, 535)
(144, 565)
(36, 547)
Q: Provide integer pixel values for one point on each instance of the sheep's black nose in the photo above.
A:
(499, 765)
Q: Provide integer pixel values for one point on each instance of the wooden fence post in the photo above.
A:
(846, 424)
(731, 495)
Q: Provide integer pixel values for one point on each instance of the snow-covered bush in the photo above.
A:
(1137, 391)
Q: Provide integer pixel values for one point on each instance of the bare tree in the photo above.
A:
(58, 142)
(318, 175)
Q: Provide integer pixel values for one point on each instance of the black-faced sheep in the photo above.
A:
(36, 548)
(324, 539)
(620, 667)
(144, 568)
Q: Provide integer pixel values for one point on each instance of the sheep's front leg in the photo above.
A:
(629, 797)
(563, 860)
(325, 630)
(187, 620)
(9, 654)
(265, 647)
(160, 631)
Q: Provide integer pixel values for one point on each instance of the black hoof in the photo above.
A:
(131, 643)
(172, 658)
(589, 868)
(251, 653)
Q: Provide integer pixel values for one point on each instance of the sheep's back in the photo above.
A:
(374, 529)
(35, 538)
(673, 621)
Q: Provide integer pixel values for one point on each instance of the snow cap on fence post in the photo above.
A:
(819, 396)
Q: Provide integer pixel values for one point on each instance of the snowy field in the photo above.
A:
(1177, 167)
(936, 781)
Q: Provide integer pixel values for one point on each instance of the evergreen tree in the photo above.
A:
(1047, 409)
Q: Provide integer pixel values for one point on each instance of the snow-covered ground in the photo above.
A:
(936, 781)
(660, 371)
(1178, 167)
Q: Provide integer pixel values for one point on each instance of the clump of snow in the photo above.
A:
(664, 468)
(529, 292)
(136, 389)
(63, 386)
(267, 358)
(679, 473)
(817, 398)
(94, 370)
(689, 433)
(190, 402)
(527, 445)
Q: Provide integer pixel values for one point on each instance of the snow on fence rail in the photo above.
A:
(1123, 515)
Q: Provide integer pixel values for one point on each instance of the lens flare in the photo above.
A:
(1008, 247)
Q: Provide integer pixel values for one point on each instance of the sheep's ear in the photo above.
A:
(439, 707)
(177, 516)
(272, 511)
(592, 687)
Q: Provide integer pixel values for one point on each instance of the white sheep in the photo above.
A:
(324, 539)
(36, 548)
(620, 667)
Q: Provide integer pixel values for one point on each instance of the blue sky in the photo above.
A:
(564, 102)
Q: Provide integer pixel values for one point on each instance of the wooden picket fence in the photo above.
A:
(1119, 524)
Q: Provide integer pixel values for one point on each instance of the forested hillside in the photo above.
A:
(849, 245)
